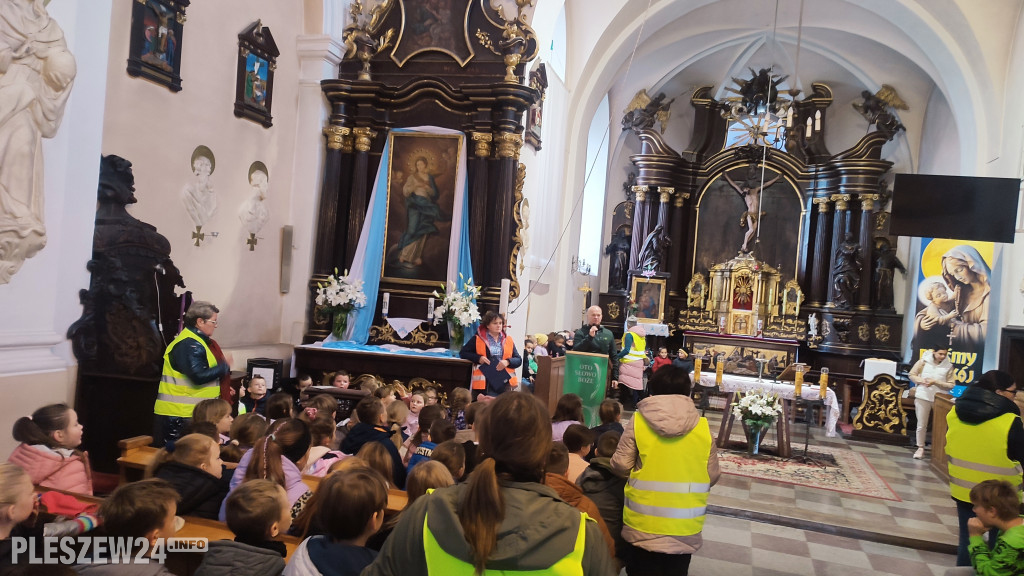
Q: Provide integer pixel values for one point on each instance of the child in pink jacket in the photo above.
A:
(48, 450)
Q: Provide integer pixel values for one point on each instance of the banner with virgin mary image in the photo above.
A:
(954, 294)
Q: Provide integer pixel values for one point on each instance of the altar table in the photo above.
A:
(786, 392)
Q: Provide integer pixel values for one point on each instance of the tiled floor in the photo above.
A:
(759, 527)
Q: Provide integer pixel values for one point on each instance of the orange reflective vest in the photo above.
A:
(479, 382)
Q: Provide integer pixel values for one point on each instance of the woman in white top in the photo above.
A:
(932, 373)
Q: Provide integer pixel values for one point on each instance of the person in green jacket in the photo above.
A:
(996, 505)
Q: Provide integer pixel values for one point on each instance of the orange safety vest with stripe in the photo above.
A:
(977, 452)
(479, 381)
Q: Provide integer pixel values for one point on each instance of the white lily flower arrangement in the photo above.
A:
(340, 293)
(757, 408)
(457, 306)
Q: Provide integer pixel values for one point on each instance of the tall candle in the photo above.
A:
(798, 381)
(807, 131)
(430, 309)
(823, 382)
(506, 285)
(719, 370)
(817, 121)
(696, 371)
(789, 118)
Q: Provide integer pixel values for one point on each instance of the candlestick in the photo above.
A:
(719, 370)
(430, 309)
(385, 302)
(696, 371)
(506, 285)
(807, 131)
(823, 382)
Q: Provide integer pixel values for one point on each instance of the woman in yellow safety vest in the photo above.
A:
(632, 358)
(984, 441)
(504, 518)
(666, 449)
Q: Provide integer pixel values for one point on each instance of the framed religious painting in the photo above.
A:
(649, 296)
(535, 115)
(154, 47)
(254, 80)
(421, 178)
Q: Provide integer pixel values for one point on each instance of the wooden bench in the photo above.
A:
(136, 456)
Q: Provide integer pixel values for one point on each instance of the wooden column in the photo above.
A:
(822, 258)
(360, 190)
(678, 233)
(867, 246)
(640, 224)
(501, 229)
(664, 197)
(840, 226)
(478, 168)
(332, 198)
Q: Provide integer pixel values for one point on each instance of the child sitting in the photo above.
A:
(377, 457)
(245, 431)
(371, 428)
(996, 505)
(255, 399)
(18, 503)
(428, 415)
(661, 359)
(461, 398)
(352, 510)
(468, 437)
(578, 439)
(397, 414)
(320, 456)
(193, 466)
(569, 410)
(257, 512)
(610, 413)
(412, 422)
(340, 379)
(144, 509)
(279, 405)
(48, 450)
(440, 431)
(217, 412)
(606, 489)
(556, 479)
(453, 456)
(278, 457)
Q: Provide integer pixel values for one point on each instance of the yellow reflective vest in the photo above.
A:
(638, 351)
(977, 452)
(177, 396)
(441, 562)
(668, 495)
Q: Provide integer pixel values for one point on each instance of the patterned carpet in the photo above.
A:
(844, 471)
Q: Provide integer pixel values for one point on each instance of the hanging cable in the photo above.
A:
(579, 197)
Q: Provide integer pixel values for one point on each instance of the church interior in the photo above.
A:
(749, 180)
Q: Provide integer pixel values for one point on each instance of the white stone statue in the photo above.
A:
(36, 76)
(254, 213)
(198, 196)
(812, 325)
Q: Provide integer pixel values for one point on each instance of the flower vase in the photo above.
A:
(456, 334)
(755, 435)
(340, 324)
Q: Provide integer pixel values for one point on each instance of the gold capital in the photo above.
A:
(364, 137)
(508, 144)
(822, 204)
(336, 136)
(841, 201)
(641, 192)
(482, 144)
(867, 201)
(666, 193)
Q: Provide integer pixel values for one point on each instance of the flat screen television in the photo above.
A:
(957, 207)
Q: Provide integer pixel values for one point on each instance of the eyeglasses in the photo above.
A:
(214, 322)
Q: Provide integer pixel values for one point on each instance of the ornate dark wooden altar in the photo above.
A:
(839, 194)
(466, 77)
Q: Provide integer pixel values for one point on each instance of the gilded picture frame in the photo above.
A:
(649, 295)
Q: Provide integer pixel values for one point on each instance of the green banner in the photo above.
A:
(586, 375)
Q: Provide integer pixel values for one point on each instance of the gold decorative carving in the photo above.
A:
(881, 219)
(613, 310)
(863, 332)
(336, 136)
(362, 37)
(680, 199)
(665, 193)
(841, 200)
(628, 211)
(517, 240)
(385, 333)
(508, 144)
(482, 144)
(364, 138)
(882, 410)
(641, 192)
(181, 18)
(882, 332)
(822, 204)
(867, 201)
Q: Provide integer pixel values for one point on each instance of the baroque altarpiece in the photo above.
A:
(759, 230)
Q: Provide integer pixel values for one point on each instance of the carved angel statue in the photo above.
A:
(652, 254)
(643, 111)
(879, 102)
(362, 37)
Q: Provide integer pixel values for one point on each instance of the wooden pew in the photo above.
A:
(136, 455)
(397, 499)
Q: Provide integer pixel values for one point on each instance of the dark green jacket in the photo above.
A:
(602, 343)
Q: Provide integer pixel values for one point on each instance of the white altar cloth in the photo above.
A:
(785, 390)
